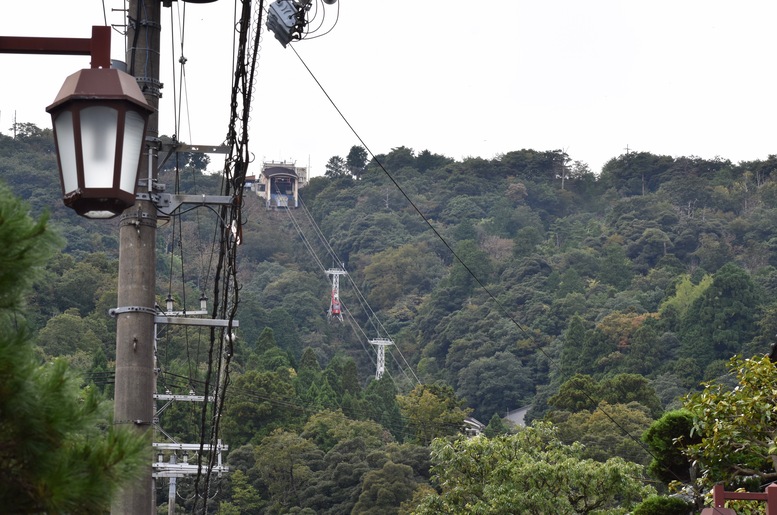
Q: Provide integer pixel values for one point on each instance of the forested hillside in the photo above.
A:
(599, 301)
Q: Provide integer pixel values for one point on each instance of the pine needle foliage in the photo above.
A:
(59, 451)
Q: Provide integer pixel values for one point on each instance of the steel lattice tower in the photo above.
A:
(381, 344)
(335, 309)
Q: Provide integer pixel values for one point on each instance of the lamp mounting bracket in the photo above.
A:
(98, 46)
(167, 203)
(150, 86)
(154, 143)
(177, 146)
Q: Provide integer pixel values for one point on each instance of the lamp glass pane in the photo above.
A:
(134, 126)
(66, 144)
(98, 214)
(98, 139)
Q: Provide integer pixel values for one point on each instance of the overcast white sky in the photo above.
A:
(676, 77)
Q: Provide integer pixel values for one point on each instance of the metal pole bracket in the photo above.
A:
(131, 309)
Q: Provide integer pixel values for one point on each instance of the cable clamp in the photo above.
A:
(131, 309)
(133, 422)
(150, 23)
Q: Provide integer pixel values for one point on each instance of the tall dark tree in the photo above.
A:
(646, 350)
(192, 161)
(722, 319)
(615, 266)
(285, 462)
(626, 388)
(572, 348)
(308, 376)
(596, 347)
(336, 487)
(478, 266)
(380, 398)
(285, 331)
(341, 374)
(336, 167)
(356, 161)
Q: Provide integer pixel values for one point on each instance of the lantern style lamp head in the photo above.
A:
(99, 119)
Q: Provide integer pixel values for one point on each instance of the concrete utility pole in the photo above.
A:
(135, 375)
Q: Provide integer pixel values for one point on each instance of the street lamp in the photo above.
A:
(99, 119)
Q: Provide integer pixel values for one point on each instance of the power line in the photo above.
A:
(364, 304)
(482, 286)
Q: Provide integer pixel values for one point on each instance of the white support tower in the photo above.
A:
(335, 308)
(380, 345)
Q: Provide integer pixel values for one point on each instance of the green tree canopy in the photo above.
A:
(736, 425)
(636, 173)
(496, 426)
(356, 160)
(495, 384)
(722, 319)
(25, 246)
(259, 402)
(328, 428)
(384, 490)
(67, 333)
(285, 462)
(608, 431)
(432, 411)
(583, 392)
(666, 439)
(529, 472)
(381, 405)
(336, 167)
(399, 271)
(685, 294)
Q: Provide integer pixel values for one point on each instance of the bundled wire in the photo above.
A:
(226, 287)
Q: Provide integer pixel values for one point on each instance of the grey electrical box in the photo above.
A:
(281, 20)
